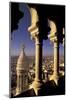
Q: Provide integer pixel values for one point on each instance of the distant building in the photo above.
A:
(22, 73)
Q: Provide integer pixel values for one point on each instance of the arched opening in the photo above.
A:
(21, 37)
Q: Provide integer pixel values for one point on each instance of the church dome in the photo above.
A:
(22, 63)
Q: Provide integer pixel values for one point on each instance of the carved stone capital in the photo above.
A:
(34, 31)
(53, 37)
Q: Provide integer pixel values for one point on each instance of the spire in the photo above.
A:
(22, 50)
(23, 47)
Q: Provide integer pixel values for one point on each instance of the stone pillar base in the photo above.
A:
(37, 86)
(17, 91)
(55, 78)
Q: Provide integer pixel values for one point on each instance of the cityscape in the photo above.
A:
(47, 65)
(37, 62)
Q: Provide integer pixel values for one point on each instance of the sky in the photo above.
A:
(22, 36)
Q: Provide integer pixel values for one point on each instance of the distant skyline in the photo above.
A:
(22, 36)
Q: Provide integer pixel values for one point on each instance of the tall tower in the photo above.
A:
(22, 72)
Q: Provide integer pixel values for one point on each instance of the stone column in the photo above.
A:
(54, 38)
(36, 85)
(38, 59)
(56, 62)
(55, 75)
(38, 67)
(18, 84)
(38, 31)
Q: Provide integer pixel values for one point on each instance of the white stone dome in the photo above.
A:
(22, 63)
